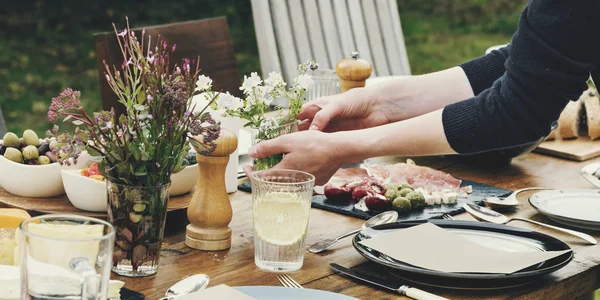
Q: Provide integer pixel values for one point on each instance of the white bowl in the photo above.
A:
(184, 181)
(85, 193)
(33, 181)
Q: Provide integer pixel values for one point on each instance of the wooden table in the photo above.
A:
(235, 267)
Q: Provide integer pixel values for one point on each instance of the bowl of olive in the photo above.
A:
(184, 181)
(29, 168)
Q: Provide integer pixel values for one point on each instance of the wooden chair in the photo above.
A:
(208, 38)
(2, 124)
(290, 32)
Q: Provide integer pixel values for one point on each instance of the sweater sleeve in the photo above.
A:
(550, 58)
(484, 70)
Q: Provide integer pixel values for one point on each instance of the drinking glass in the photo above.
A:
(326, 83)
(65, 257)
(281, 208)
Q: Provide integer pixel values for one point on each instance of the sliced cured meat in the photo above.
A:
(342, 177)
(425, 177)
(379, 172)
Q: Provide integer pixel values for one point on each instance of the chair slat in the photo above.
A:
(400, 44)
(332, 39)
(360, 33)
(380, 61)
(303, 47)
(285, 40)
(315, 34)
(344, 28)
(265, 36)
(389, 38)
(2, 124)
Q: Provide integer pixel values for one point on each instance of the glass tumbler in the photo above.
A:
(281, 201)
(65, 257)
(326, 83)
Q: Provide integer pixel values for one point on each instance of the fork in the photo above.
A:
(447, 217)
(287, 281)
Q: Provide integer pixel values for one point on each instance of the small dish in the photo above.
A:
(31, 181)
(184, 181)
(572, 207)
(591, 172)
(83, 192)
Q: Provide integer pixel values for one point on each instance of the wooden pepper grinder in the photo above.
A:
(353, 72)
(209, 211)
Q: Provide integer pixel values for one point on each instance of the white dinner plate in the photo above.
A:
(277, 293)
(573, 207)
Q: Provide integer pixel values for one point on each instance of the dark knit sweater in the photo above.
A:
(521, 89)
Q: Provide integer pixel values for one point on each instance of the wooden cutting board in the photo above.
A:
(579, 149)
(62, 205)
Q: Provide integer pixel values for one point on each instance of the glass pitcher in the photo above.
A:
(65, 257)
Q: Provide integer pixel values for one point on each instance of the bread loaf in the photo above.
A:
(592, 112)
(551, 136)
(568, 122)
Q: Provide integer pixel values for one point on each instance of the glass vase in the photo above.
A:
(138, 214)
(326, 83)
(259, 135)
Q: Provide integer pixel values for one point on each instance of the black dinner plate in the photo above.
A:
(508, 237)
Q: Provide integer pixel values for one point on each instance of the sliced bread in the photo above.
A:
(568, 122)
(592, 111)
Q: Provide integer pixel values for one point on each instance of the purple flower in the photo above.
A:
(174, 47)
(123, 33)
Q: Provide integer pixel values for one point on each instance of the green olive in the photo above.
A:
(11, 140)
(405, 191)
(31, 138)
(55, 145)
(43, 160)
(31, 152)
(14, 155)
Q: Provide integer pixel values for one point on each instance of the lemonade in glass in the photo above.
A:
(281, 209)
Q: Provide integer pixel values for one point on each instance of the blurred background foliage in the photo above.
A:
(46, 46)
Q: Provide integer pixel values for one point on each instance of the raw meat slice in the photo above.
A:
(379, 172)
(425, 177)
(343, 176)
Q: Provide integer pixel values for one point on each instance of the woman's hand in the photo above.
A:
(355, 109)
(315, 152)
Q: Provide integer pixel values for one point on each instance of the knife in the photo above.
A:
(402, 290)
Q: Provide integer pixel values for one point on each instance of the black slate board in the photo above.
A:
(480, 191)
(127, 294)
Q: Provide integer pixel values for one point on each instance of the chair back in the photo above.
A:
(2, 124)
(208, 38)
(290, 32)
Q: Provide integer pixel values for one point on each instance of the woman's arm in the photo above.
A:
(484, 70)
(551, 56)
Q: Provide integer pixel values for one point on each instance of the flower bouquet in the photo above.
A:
(258, 96)
(139, 150)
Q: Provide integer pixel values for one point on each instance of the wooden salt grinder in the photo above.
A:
(353, 72)
(209, 211)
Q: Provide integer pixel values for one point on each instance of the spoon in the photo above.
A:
(488, 215)
(382, 218)
(186, 286)
(508, 202)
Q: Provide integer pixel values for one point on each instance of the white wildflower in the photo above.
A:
(274, 80)
(230, 102)
(204, 83)
(250, 82)
(109, 125)
(304, 81)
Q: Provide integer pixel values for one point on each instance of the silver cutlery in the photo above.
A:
(402, 290)
(186, 286)
(288, 281)
(488, 215)
(510, 201)
(382, 218)
(447, 217)
(591, 173)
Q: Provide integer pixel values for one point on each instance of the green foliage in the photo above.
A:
(46, 46)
